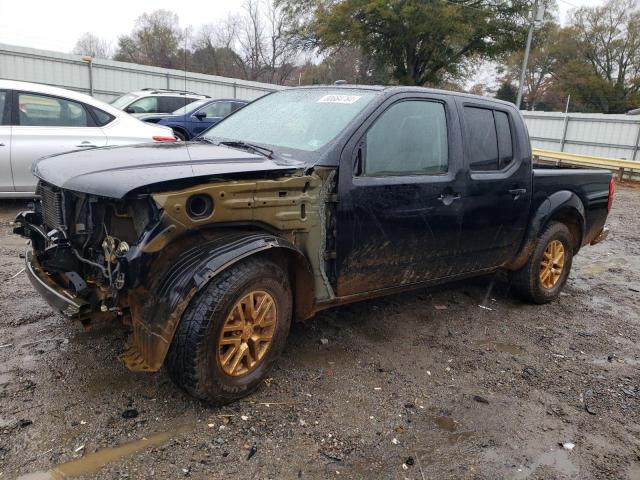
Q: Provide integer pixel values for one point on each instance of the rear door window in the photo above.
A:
(489, 139)
(482, 139)
(236, 106)
(44, 111)
(169, 104)
(144, 105)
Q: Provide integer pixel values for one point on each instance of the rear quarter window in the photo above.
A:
(101, 118)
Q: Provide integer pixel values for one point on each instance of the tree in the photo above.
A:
(346, 63)
(507, 92)
(609, 56)
(155, 40)
(93, 46)
(539, 77)
(421, 42)
(213, 49)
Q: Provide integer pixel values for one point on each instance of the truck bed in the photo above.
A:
(590, 185)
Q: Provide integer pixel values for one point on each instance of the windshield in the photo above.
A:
(302, 119)
(190, 106)
(124, 100)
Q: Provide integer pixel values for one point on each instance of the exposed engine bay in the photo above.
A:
(89, 243)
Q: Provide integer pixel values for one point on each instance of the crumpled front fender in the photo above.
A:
(180, 271)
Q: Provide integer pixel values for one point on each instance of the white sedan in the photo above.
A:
(38, 120)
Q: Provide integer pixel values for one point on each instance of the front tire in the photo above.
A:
(542, 278)
(232, 332)
(179, 135)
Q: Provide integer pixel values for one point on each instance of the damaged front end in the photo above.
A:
(142, 258)
(83, 249)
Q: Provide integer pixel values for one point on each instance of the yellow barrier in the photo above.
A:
(573, 158)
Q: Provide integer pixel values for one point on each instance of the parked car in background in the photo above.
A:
(155, 100)
(38, 120)
(191, 120)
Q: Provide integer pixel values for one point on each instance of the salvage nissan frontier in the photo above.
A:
(305, 199)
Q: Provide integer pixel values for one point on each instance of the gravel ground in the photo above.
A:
(421, 385)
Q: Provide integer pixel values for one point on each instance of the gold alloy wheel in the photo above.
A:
(247, 333)
(552, 264)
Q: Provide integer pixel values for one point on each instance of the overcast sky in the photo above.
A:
(56, 25)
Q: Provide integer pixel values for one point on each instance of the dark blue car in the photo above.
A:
(191, 120)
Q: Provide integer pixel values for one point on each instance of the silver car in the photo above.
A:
(155, 100)
(39, 120)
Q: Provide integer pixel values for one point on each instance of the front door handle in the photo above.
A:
(517, 192)
(448, 198)
(85, 144)
(2, 144)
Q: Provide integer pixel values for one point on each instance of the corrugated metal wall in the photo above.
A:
(110, 79)
(611, 136)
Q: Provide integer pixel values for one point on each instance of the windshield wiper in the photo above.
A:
(248, 146)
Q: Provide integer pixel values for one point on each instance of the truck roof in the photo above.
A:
(393, 89)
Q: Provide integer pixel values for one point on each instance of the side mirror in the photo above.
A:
(129, 110)
(201, 115)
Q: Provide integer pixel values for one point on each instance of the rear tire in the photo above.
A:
(217, 324)
(542, 278)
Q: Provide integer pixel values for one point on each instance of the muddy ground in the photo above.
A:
(419, 385)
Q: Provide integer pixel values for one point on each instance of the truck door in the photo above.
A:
(6, 177)
(399, 209)
(496, 203)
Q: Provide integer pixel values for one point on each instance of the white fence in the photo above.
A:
(611, 136)
(107, 79)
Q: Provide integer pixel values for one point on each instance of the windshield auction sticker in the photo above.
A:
(348, 99)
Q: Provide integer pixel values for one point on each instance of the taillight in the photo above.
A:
(612, 191)
(159, 138)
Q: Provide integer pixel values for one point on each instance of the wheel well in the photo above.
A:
(572, 220)
(300, 277)
(181, 130)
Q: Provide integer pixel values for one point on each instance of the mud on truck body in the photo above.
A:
(307, 198)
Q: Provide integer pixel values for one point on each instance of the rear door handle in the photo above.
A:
(448, 198)
(516, 192)
(85, 144)
(2, 144)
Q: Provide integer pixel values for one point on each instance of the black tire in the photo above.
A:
(527, 283)
(193, 362)
(179, 135)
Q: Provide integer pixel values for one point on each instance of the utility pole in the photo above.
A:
(536, 16)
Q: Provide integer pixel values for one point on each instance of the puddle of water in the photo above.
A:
(447, 424)
(92, 462)
(459, 437)
(556, 459)
(596, 268)
(501, 347)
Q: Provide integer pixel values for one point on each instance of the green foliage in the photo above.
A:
(422, 41)
(507, 92)
(595, 60)
(155, 40)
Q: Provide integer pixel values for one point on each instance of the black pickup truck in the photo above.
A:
(305, 199)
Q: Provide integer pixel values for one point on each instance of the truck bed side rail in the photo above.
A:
(619, 165)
